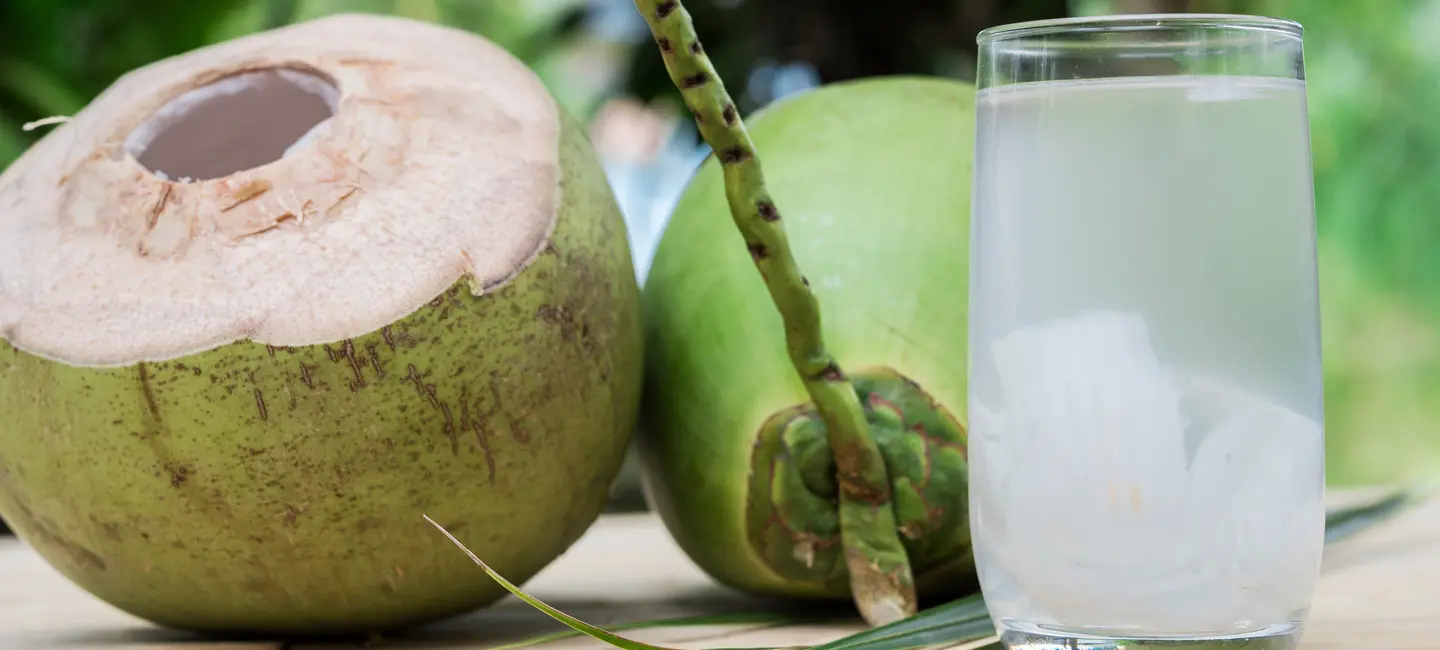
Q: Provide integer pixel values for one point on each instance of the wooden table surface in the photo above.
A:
(1380, 589)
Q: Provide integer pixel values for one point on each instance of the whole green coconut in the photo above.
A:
(872, 182)
(266, 304)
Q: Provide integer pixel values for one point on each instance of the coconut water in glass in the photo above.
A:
(1146, 434)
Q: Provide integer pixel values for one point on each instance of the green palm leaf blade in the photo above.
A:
(574, 623)
(765, 619)
(1341, 523)
(957, 621)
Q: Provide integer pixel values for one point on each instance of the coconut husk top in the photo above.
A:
(303, 185)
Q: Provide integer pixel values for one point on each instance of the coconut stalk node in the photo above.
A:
(264, 303)
(791, 518)
(853, 483)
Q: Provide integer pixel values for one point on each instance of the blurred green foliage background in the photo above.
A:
(1374, 80)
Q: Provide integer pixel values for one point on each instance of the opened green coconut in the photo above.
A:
(266, 304)
(867, 185)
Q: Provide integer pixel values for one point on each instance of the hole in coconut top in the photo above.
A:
(240, 122)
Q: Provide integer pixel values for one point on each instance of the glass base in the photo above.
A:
(1013, 639)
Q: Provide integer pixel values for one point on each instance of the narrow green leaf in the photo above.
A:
(1341, 523)
(960, 620)
(941, 633)
(575, 623)
(768, 619)
(952, 623)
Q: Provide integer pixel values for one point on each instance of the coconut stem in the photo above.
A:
(880, 577)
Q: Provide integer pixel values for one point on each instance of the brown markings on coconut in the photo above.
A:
(407, 194)
(30, 525)
(39, 528)
(260, 405)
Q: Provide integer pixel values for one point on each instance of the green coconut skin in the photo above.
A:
(281, 490)
(873, 178)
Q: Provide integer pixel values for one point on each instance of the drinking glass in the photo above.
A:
(1146, 430)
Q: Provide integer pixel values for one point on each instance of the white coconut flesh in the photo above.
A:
(299, 186)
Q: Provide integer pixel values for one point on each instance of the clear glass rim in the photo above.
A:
(1139, 22)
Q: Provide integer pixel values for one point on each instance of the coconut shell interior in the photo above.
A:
(297, 186)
